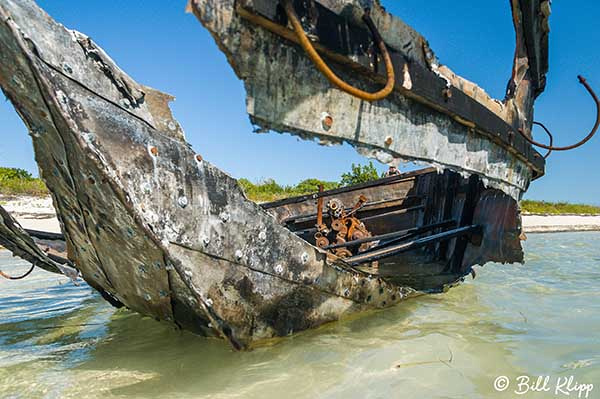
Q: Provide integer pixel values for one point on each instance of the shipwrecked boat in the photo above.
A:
(154, 227)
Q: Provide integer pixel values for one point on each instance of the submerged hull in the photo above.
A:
(154, 227)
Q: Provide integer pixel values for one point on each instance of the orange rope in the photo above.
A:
(308, 47)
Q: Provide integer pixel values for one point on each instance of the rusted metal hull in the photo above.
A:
(152, 226)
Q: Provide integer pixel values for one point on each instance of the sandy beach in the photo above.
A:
(32, 212)
(39, 214)
(560, 223)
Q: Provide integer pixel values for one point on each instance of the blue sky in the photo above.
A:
(161, 46)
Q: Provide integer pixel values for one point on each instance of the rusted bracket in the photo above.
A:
(381, 182)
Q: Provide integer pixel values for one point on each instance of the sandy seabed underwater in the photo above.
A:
(58, 340)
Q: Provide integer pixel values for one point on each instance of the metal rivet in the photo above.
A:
(224, 217)
(447, 93)
(326, 121)
(304, 257)
(16, 81)
(182, 201)
(239, 254)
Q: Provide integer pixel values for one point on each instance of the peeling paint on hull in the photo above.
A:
(287, 94)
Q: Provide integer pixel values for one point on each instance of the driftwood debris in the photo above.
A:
(14, 238)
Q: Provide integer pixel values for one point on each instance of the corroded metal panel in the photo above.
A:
(501, 240)
(287, 94)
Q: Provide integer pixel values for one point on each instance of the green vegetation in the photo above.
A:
(20, 182)
(269, 190)
(558, 208)
(360, 174)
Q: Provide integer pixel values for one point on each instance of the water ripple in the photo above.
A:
(61, 340)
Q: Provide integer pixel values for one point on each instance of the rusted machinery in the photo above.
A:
(344, 227)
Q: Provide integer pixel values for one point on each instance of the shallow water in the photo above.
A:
(58, 340)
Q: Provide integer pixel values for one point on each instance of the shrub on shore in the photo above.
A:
(268, 190)
(558, 208)
(360, 174)
(20, 182)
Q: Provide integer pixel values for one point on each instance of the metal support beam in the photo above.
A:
(398, 235)
(375, 255)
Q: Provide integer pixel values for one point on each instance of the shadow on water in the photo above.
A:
(57, 340)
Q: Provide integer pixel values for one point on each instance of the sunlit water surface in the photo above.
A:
(58, 340)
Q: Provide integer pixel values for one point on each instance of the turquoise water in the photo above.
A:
(58, 340)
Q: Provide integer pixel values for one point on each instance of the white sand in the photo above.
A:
(554, 223)
(50, 225)
(39, 214)
(28, 207)
(32, 213)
